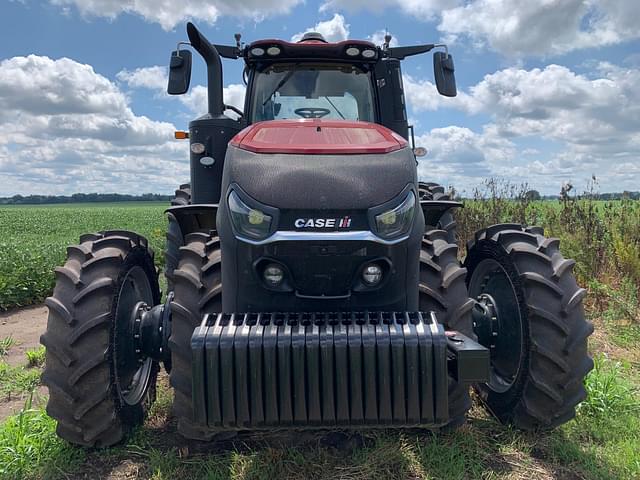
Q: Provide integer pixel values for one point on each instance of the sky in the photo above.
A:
(548, 90)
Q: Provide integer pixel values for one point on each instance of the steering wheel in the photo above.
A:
(312, 112)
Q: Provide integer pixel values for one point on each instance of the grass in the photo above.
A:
(603, 442)
(5, 344)
(29, 447)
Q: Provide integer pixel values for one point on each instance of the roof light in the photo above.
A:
(368, 53)
(353, 51)
(273, 51)
(257, 52)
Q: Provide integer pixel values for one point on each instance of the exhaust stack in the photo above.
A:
(214, 68)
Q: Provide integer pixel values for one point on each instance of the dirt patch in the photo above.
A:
(25, 326)
(11, 406)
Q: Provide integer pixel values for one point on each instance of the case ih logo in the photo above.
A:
(344, 222)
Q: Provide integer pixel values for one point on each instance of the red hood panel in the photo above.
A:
(318, 137)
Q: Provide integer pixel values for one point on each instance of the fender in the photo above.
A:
(195, 218)
(434, 209)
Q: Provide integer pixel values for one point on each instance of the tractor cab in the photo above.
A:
(313, 79)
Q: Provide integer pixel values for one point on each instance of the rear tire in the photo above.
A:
(198, 290)
(447, 222)
(182, 195)
(442, 289)
(539, 356)
(175, 238)
(87, 333)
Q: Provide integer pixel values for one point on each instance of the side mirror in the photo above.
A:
(179, 72)
(444, 73)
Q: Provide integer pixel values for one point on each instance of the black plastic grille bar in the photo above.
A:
(263, 370)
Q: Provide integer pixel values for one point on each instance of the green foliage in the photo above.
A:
(33, 241)
(5, 344)
(29, 447)
(610, 392)
(35, 358)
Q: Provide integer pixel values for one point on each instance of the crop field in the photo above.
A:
(603, 442)
(33, 240)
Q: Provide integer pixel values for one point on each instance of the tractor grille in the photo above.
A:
(319, 369)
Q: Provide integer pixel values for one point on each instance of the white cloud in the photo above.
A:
(146, 77)
(334, 30)
(155, 79)
(423, 9)
(519, 27)
(422, 95)
(522, 27)
(69, 129)
(169, 14)
(581, 126)
(377, 38)
(460, 157)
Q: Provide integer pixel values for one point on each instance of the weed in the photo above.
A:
(610, 393)
(35, 358)
(5, 344)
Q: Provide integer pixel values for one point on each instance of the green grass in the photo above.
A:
(29, 447)
(603, 442)
(33, 240)
(5, 344)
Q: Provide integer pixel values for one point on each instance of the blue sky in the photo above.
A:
(549, 90)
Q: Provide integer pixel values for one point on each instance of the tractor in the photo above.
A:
(313, 281)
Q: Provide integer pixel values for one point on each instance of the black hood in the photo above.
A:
(327, 182)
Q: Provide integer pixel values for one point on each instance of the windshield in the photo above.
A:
(294, 91)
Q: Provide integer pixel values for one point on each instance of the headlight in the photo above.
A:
(397, 221)
(248, 222)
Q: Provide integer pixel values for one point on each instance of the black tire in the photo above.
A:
(84, 337)
(175, 239)
(447, 222)
(544, 387)
(198, 290)
(182, 195)
(443, 290)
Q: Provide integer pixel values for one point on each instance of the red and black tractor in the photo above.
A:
(313, 281)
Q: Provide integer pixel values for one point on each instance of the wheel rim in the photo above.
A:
(498, 322)
(132, 369)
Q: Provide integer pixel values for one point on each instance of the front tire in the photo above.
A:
(442, 289)
(175, 239)
(98, 387)
(534, 325)
(198, 290)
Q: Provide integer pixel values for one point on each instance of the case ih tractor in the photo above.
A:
(313, 281)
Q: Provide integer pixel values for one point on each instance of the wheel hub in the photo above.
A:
(497, 322)
(485, 320)
(152, 328)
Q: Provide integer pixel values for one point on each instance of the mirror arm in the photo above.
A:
(442, 45)
(400, 53)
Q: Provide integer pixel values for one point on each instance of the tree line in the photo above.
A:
(83, 198)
